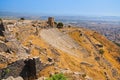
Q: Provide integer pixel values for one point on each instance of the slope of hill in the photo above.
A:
(78, 53)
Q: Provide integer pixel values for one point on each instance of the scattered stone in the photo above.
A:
(50, 59)
(4, 47)
(106, 62)
(114, 72)
(99, 45)
(106, 75)
(41, 50)
(97, 58)
(88, 78)
(118, 59)
(65, 71)
(12, 78)
(57, 59)
(87, 64)
(3, 59)
(54, 51)
(42, 78)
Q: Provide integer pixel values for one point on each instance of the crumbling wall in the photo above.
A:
(27, 69)
(51, 21)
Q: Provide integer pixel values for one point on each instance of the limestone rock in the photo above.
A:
(4, 47)
(12, 78)
(3, 59)
(87, 64)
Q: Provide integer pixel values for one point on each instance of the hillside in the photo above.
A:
(78, 53)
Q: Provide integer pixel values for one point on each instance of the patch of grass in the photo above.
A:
(59, 76)
(7, 70)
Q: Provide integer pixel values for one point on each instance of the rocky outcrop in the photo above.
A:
(27, 69)
(2, 28)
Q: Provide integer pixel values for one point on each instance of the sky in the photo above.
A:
(63, 7)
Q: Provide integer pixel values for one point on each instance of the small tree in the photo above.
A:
(60, 25)
(101, 51)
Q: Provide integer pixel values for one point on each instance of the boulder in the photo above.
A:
(3, 59)
(4, 47)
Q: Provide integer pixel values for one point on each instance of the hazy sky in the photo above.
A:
(63, 7)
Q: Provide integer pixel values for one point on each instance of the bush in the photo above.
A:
(60, 25)
(57, 77)
(101, 51)
(22, 18)
(7, 70)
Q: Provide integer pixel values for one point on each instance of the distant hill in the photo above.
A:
(58, 17)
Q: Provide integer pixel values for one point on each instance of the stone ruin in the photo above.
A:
(27, 69)
(51, 21)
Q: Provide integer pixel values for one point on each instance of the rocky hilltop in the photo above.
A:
(32, 50)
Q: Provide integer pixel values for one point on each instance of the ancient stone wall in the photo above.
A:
(51, 21)
(27, 69)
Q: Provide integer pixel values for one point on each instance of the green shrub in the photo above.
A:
(22, 18)
(60, 25)
(59, 76)
(101, 51)
(7, 70)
